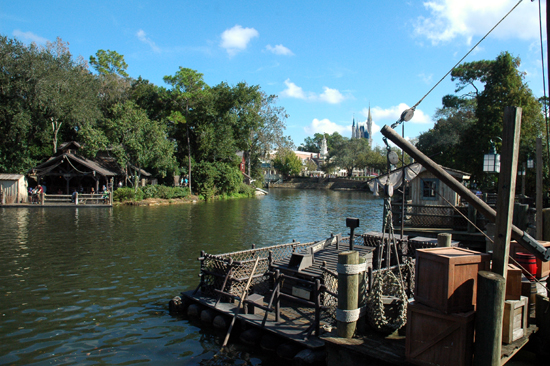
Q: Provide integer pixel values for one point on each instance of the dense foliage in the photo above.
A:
(47, 97)
(467, 124)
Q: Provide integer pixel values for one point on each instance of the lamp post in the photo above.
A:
(491, 161)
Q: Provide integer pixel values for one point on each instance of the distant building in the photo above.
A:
(362, 130)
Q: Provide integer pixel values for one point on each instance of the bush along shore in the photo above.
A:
(160, 194)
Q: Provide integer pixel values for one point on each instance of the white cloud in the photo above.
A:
(450, 19)
(392, 114)
(279, 50)
(29, 37)
(142, 36)
(331, 96)
(236, 39)
(293, 91)
(325, 126)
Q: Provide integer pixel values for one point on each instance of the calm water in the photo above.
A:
(92, 286)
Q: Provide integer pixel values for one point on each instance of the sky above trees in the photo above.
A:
(327, 62)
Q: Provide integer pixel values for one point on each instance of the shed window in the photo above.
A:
(429, 189)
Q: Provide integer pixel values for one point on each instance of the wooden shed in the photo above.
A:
(14, 188)
(428, 190)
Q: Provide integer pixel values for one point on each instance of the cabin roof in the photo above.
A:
(5, 176)
(55, 161)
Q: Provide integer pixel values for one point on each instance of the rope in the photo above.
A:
(351, 269)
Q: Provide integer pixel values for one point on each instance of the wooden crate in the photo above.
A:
(543, 268)
(513, 283)
(446, 278)
(514, 323)
(435, 338)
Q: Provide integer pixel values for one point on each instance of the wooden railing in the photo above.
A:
(77, 198)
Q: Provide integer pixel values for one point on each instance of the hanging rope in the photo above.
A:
(385, 282)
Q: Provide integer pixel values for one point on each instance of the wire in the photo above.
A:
(466, 55)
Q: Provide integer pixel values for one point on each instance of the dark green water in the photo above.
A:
(92, 286)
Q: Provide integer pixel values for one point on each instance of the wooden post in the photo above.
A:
(539, 189)
(444, 239)
(76, 198)
(41, 198)
(488, 324)
(546, 224)
(506, 188)
(111, 197)
(348, 291)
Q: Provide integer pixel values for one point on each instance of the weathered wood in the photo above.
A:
(539, 189)
(491, 288)
(444, 240)
(506, 188)
(446, 278)
(514, 324)
(348, 293)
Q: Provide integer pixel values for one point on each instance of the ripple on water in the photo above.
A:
(88, 286)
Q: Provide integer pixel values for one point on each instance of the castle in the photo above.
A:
(363, 131)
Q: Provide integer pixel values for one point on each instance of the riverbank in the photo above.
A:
(336, 184)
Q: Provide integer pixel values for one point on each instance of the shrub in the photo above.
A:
(127, 194)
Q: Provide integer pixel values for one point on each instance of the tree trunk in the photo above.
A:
(56, 125)
(188, 146)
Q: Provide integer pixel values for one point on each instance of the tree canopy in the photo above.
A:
(466, 124)
(47, 96)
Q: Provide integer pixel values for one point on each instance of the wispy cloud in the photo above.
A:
(29, 37)
(325, 126)
(142, 36)
(392, 114)
(331, 96)
(450, 19)
(279, 50)
(236, 39)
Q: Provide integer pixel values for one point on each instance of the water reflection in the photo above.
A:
(90, 286)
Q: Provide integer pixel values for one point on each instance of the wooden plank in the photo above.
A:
(506, 188)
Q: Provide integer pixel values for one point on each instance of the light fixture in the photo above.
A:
(530, 162)
(491, 161)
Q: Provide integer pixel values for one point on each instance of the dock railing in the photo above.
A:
(77, 198)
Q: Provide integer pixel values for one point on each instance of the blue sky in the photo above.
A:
(327, 61)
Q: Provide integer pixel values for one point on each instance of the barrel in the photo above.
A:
(529, 263)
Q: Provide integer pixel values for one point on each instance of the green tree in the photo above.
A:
(188, 87)
(109, 62)
(287, 163)
(504, 85)
(137, 142)
(444, 142)
(350, 154)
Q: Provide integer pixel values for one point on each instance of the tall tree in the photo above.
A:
(503, 85)
(188, 87)
(138, 142)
